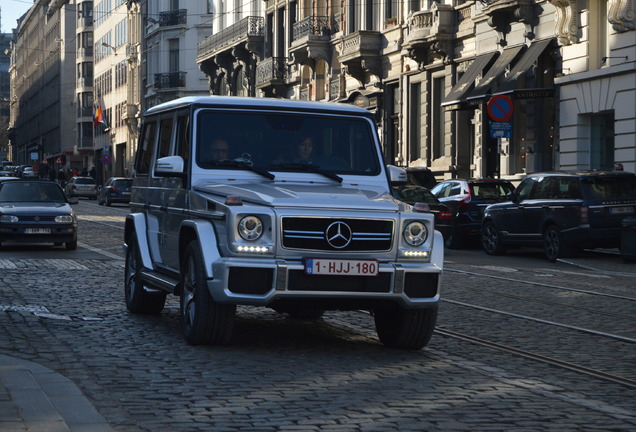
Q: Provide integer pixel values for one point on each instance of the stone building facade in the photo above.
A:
(436, 74)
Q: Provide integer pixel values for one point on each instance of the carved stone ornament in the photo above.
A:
(567, 21)
(620, 13)
(503, 12)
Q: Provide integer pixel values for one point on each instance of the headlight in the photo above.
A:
(64, 219)
(8, 219)
(415, 233)
(250, 228)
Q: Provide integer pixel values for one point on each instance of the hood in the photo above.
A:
(315, 195)
(33, 208)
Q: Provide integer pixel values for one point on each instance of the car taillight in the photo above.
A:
(466, 201)
(584, 219)
(74, 187)
(115, 189)
(445, 215)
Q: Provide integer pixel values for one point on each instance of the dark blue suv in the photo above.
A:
(561, 212)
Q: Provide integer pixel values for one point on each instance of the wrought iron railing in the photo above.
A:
(169, 80)
(173, 17)
(272, 69)
(248, 26)
(334, 87)
(311, 26)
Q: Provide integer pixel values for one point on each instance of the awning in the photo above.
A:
(468, 78)
(523, 65)
(483, 88)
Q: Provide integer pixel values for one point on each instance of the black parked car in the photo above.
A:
(36, 211)
(115, 190)
(561, 212)
(467, 199)
(412, 194)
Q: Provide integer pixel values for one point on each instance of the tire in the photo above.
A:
(72, 245)
(100, 202)
(202, 319)
(138, 300)
(455, 240)
(553, 244)
(405, 328)
(491, 240)
(108, 203)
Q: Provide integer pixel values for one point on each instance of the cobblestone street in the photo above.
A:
(65, 310)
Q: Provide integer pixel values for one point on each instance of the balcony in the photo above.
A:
(310, 39)
(170, 80)
(501, 13)
(429, 34)
(271, 76)
(234, 48)
(173, 18)
(361, 54)
(248, 30)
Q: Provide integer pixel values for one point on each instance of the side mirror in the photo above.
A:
(397, 175)
(170, 166)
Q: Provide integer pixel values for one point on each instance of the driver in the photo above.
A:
(219, 149)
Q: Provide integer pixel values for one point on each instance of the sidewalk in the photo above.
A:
(34, 398)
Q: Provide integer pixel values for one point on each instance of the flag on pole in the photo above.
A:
(98, 113)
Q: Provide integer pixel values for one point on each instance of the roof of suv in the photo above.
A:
(590, 173)
(261, 103)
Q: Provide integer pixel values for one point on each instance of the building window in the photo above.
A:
(437, 117)
(415, 122)
(173, 57)
(602, 141)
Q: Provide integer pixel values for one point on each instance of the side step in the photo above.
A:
(159, 282)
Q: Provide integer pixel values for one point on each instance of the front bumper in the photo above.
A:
(267, 282)
(58, 234)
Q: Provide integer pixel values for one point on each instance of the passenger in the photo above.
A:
(219, 150)
(304, 150)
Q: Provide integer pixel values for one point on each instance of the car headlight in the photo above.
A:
(8, 219)
(64, 219)
(415, 233)
(250, 228)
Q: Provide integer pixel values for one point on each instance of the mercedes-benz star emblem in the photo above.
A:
(338, 235)
(37, 218)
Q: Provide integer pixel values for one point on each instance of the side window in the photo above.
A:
(165, 136)
(455, 189)
(525, 189)
(569, 188)
(547, 188)
(146, 148)
(183, 137)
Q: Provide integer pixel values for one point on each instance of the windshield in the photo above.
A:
(30, 192)
(285, 142)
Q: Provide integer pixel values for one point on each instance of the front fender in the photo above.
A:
(136, 225)
(206, 238)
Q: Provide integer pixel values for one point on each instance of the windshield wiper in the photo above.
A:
(311, 168)
(245, 165)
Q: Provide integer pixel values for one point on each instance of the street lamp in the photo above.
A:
(107, 45)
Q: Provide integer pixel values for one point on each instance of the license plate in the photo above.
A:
(341, 267)
(621, 210)
(37, 230)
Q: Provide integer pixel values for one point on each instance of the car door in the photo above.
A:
(509, 217)
(175, 194)
(537, 208)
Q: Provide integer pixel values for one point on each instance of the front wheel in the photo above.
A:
(491, 240)
(203, 320)
(553, 244)
(405, 328)
(138, 300)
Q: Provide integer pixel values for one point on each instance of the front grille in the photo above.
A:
(39, 218)
(331, 234)
(299, 281)
(245, 280)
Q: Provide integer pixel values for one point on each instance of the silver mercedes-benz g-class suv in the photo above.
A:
(276, 203)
